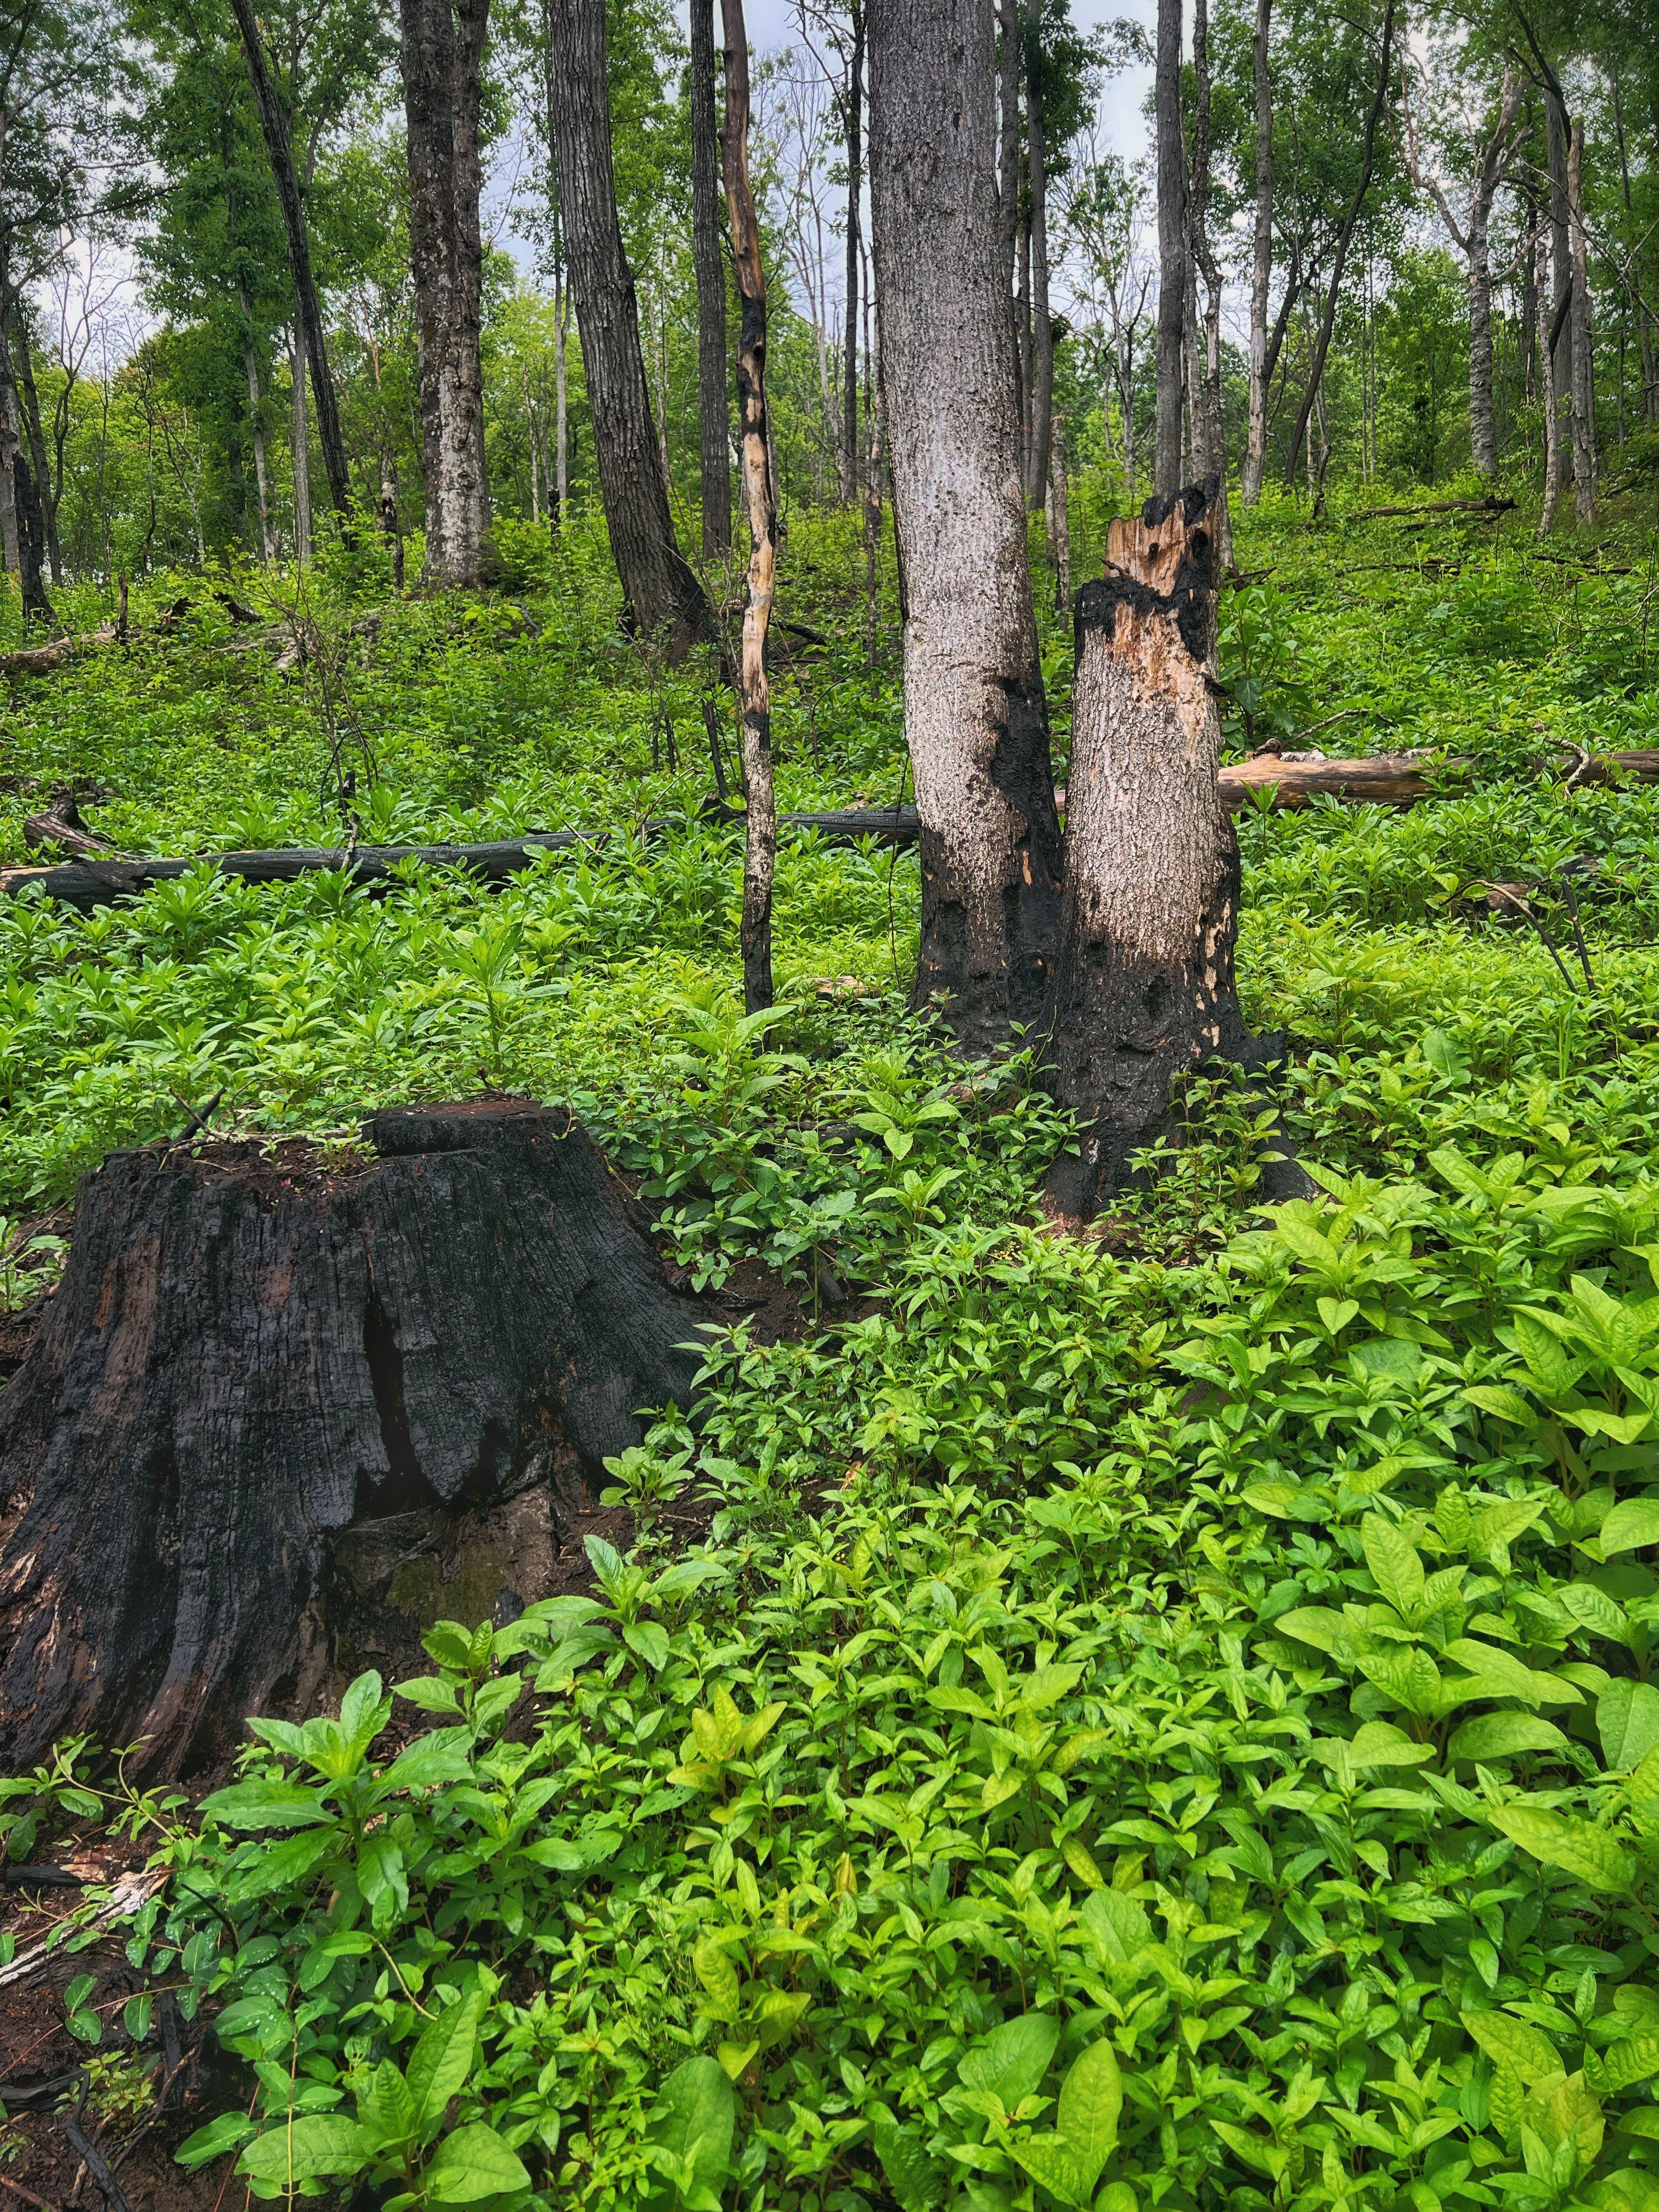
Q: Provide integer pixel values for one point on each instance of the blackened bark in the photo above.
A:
(714, 445)
(760, 857)
(31, 546)
(975, 717)
(443, 52)
(1143, 984)
(277, 124)
(40, 467)
(249, 1362)
(664, 598)
(1343, 239)
(1262, 261)
(1171, 249)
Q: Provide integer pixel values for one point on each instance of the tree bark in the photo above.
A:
(1255, 439)
(1213, 445)
(1042, 329)
(256, 433)
(258, 1363)
(442, 51)
(277, 124)
(872, 519)
(849, 405)
(975, 717)
(1060, 520)
(714, 445)
(1143, 986)
(1583, 352)
(1549, 395)
(1351, 216)
(1172, 249)
(20, 504)
(664, 600)
(300, 455)
(760, 854)
(40, 467)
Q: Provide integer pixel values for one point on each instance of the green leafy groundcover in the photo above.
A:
(1199, 1754)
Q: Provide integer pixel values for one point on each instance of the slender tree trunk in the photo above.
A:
(1351, 216)
(1143, 985)
(663, 598)
(850, 408)
(873, 532)
(760, 854)
(1583, 352)
(1060, 520)
(1256, 440)
(1547, 356)
(1494, 162)
(442, 50)
(1022, 330)
(714, 447)
(1529, 312)
(1644, 320)
(1010, 48)
(39, 469)
(1556, 133)
(257, 434)
(975, 718)
(1172, 248)
(1206, 398)
(1042, 329)
(277, 124)
(301, 448)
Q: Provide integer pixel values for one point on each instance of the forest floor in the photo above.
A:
(1159, 1719)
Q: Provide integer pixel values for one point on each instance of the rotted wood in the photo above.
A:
(281, 1404)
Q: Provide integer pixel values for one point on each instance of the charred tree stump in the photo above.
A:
(1144, 983)
(258, 1359)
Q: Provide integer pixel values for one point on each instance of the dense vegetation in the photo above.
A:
(1155, 1720)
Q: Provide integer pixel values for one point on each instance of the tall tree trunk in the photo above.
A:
(1255, 439)
(561, 409)
(760, 852)
(1557, 132)
(713, 448)
(849, 407)
(442, 50)
(1042, 329)
(1644, 320)
(1549, 393)
(664, 598)
(257, 432)
(1059, 520)
(872, 530)
(1023, 328)
(277, 126)
(1583, 352)
(975, 718)
(1207, 402)
(1010, 48)
(1172, 247)
(1351, 216)
(40, 468)
(11, 446)
(1143, 986)
(300, 447)
(1494, 164)
(1529, 311)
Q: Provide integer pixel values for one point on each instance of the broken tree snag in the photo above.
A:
(262, 1368)
(1144, 973)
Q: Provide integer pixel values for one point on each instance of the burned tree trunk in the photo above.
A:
(257, 1360)
(1144, 976)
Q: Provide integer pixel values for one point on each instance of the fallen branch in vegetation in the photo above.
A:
(41, 660)
(1375, 779)
(1490, 505)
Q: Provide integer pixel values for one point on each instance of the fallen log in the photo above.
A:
(282, 1411)
(1374, 779)
(41, 660)
(1490, 505)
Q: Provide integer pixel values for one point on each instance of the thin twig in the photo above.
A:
(1572, 897)
(41, 2203)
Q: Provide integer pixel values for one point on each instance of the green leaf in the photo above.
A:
(695, 2114)
(266, 1805)
(1119, 1926)
(1318, 1625)
(441, 2061)
(1528, 2051)
(1091, 2099)
(229, 2130)
(472, 2163)
(1379, 1743)
(429, 1762)
(1588, 1854)
(314, 2147)
(1393, 1560)
(911, 2174)
(1631, 1526)
(649, 1640)
(1505, 1735)
(1009, 2064)
(1627, 1721)
(1053, 2163)
(1497, 1398)
(719, 1977)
